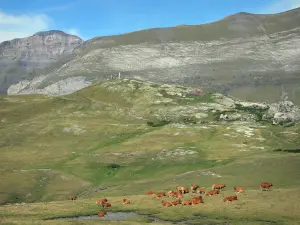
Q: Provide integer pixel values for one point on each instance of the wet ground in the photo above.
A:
(112, 216)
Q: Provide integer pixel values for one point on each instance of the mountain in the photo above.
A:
(252, 56)
(27, 57)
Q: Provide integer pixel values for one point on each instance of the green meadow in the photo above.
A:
(127, 137)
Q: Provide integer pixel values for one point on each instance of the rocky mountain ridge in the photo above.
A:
(27, 57)
(242, 51)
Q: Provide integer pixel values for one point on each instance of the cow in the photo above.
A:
(197, 200)
(159, 194)
(186, 190)
(188, 202)
(101, 200)
(126, 201)
(239, 189)
(201, 190)
(106, 205)
(194, 187)
(179, 195)
(264, 185)
(172, 193)
(230, 198)
(165, 203)
(218, 186)
(180, 189)
(149, 193)
(176, 202)
(212, 192)
(102, 213)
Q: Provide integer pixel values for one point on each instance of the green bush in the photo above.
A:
(158, 123)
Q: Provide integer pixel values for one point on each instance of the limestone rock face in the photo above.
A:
(24, 57)
(283, 112)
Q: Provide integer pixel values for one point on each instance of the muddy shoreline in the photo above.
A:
(122, 216)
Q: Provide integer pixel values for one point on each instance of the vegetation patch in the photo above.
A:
(288, 150)
(158, 123)
(259, 112)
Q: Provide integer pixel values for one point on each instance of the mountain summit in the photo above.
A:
(25, 57)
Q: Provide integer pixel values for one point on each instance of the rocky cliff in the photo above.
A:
(243, 55)
(27, 57)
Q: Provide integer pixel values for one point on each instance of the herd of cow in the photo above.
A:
(178, 195)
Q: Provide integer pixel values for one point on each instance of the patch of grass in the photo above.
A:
(288, 150)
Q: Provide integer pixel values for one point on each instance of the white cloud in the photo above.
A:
(22, 25)
(281, 6)
(73, 31)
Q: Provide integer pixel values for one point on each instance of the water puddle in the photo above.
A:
(111, 216)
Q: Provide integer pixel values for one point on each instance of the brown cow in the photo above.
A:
(159, 194)
(179, 195)
(106, 205)
(165, 203)
(149, 193)
(194, 187)
(264, 185)
(212, 192)
(197, 200)
(218, 186)
(101, 200)
(172, 193)
(102, 213)
(180, 189)
(188, 202)
(230, 198)
(176, 202)
(239, 189)
(126, 201)
(201, 191)
(186, 190)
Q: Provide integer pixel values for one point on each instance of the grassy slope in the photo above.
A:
(52, 148)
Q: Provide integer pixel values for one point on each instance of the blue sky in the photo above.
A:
(90, 18)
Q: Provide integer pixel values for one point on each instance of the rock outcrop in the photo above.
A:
(26, 57)
(284, 112)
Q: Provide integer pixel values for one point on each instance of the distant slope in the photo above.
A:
(240, 25)
(240, 52)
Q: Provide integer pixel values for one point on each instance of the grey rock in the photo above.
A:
(27, 57)
(282, 113)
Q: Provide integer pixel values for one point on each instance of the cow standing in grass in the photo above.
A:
(194, 187)
(218, 186)
(264, 185)
(239, 189)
